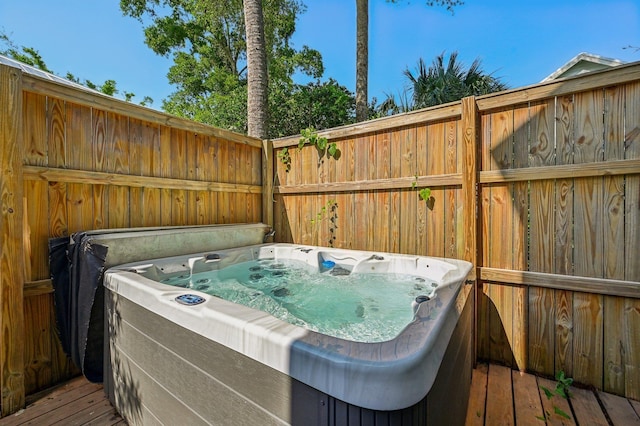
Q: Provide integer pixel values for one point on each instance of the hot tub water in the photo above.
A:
(371, 307)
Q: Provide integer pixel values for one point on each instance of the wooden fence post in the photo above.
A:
(470, 195)
(267, 182)
(12, 387)
(470, 180)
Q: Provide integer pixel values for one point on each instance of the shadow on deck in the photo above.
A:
(76, 402)
(499, 396)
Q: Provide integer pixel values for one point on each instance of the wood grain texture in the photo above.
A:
(440, 112)
(614, 345)
(631, 347)
(35, 84)
(482, 321)
(100, 143)
(587, 339)
(588, 193)
(542, 200)
(37, 220)
(38, 343)
(562, 282)
(56, 129)
(408, 182)
(602, 168)
(478, 396)
(452, 164)
(264, 176)
(564, 188)
(382, 198)
(632, 183)
(12, 266)
(78, 135)
(499, 386)
(613, 186)
(409, 199)
(100, 207)
(79, 206)
(119, 143)
(520, 324)
(583, 406)
(363, 228)
(561, 87)
(541, 331)
(564, 332)
(436, 209)
(470, 204)
(619, 409)
(35, 129)
(526, 393)
(586, 408)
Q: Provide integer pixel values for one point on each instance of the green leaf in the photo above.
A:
(333, 148)
(321, 143)
(561, 391)
(561, 413)
(425, 193)
(547, 392)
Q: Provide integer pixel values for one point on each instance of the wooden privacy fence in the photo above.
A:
(75, 160)
(538, 187)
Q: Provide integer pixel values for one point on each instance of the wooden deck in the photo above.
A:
(76, 402)
(499, 396)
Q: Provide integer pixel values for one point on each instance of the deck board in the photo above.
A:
(76, 402)
(520, 400)
(620, 410)
(525, 391)
(555, 408)
(478, 396)
(498, 396)
(586, 408)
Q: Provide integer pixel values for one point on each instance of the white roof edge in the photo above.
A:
(583, 56)
(28, 69)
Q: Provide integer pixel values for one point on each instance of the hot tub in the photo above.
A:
(177, 355)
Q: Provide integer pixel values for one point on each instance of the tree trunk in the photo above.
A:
(362, 59)
(257, 81)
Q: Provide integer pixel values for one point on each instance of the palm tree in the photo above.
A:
(257, 85)
(441, 83)
(362, 50)
(362, 59)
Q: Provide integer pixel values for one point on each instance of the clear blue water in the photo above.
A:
(358, 307)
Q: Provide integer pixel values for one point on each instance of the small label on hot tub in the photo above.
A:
(190, 299)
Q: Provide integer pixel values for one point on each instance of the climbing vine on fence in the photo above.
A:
(309, 136)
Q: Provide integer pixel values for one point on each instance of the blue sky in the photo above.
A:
(520, 42)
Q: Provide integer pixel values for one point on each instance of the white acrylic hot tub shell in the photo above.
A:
(380, 376)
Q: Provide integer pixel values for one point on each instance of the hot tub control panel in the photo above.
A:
(190, 299)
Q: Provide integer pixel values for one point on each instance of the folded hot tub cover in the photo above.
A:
(77, 266)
